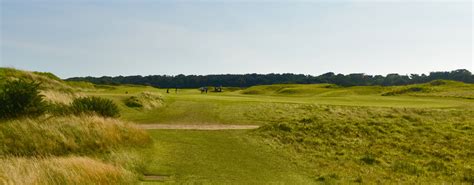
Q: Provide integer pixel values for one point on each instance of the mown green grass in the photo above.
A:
(190, 106)
(219, 157)
(329, 134)
(332, 144)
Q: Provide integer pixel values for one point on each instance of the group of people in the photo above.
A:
(202, 89)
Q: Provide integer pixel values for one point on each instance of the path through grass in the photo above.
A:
(218, 157)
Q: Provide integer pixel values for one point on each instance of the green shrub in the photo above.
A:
(95, 105)
(144, 100)
(133, 101)
(20, 98)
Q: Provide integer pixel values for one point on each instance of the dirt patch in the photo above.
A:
(196, 127)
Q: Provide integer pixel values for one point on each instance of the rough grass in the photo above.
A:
(144, 100)
(377, 145)
(47, 80)
(68, 149)
(61, 170)
(324, 90)
(437, 88)
(52, 87)
(68, 135)
(341, 136)
(53, 151)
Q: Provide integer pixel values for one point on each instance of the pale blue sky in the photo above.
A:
(85, 37)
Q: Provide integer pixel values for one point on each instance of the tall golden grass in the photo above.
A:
(61, 170)
(47, 80)
(53, 88)
(52, 151)
(59, 97)
(145, 100)
(68, 135)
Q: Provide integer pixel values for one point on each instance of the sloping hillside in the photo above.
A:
(58, 143)
(52, 87)
(438, 88)
(311, 90)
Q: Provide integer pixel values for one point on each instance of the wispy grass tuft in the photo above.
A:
(67, 135)
(61, 170)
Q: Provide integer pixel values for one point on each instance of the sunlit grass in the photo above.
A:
(68, 135)
(219, 157)
(371, 145)
(342, 135)
(61, 170)
(310, 134)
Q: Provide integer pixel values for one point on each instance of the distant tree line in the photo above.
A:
(247, 80)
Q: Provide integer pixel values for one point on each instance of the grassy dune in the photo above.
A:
(68, 149)
(438, 88)
(324, 90)
(373, 145)
(52, 87)
(71, 150)
(68, 135)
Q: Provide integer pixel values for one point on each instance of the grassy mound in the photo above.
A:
(407, 90)
(53, 88)
(61, 170)
(68, 135)
(145, 100)
(311, 90)
(438, 88)
(286, 89)
(373, 145)
(33, 145)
